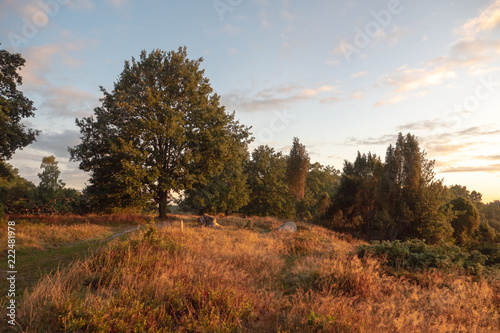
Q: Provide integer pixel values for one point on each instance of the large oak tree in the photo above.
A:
(160, 131)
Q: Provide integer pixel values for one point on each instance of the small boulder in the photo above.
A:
(288, 227)
(208, 221)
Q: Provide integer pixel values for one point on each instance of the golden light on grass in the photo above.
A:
(249, 278)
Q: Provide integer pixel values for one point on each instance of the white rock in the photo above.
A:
(288, 226)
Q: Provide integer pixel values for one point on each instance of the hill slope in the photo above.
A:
(239, 279)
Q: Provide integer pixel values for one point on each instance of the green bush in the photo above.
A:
(414, 255)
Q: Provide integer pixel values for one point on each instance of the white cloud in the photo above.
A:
(56, 100)
(359, 74)
(489, 19)
(313, 92)
(396, 34)
(471, 52)
(40, 59)
(407, 79)
(274, 98)
(408, 82)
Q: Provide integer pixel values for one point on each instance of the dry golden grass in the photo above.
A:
(103, 219)
(39, 232)
(41, 236)
(248, 278)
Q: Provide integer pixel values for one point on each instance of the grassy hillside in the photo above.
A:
(246, 277)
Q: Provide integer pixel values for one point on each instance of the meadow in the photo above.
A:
(245, 277)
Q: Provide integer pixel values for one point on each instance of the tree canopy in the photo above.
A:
(160, 131)
(226, 191)
(465, 221)
(269, 194)
(14, 106)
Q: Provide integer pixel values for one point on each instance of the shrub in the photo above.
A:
(414, 255)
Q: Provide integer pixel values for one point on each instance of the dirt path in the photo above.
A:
(124, 232)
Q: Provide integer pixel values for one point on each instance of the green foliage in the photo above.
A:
(357, 198)
(321, 181)
(397, 199)
(161, 130)
(491, 251)
(403, 171)
(297, 166)
(413, 199)
(457, 191)
(16, 193)
(434, 215)
(50, 186)
(226, 191)
(465, 221)
(51, 196)
(415, 255)
(267, 181)
(490, 213)
(14, 106)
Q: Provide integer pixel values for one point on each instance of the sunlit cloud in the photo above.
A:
(471, 52)
(56, 100)
(484, 168)
(489, 19)
(395, 35)
(359, 74)
(40, 59)
(314, 92)
(273, 98)
(407, 79)
(429, 125)
(383, 140)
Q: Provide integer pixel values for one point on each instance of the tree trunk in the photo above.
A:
(163, 205)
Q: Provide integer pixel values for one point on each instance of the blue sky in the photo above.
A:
(343, 76)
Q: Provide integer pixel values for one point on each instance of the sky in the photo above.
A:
(342, 76)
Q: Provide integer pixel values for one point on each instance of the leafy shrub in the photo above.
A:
(414, 255)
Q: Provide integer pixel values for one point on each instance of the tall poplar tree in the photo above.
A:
(297, 167)
(160, 131)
